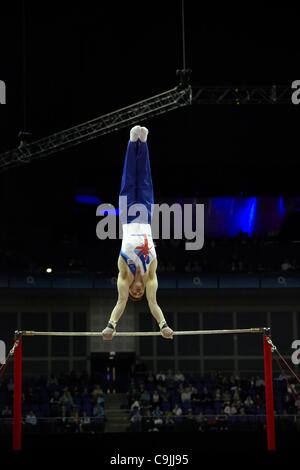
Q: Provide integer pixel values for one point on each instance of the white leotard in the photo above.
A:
(137, 246)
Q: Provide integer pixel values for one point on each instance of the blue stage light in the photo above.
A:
(281, 206)
(87, 199)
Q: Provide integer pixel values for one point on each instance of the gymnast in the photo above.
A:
(137, 261)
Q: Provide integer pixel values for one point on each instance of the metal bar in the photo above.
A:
(141, 333)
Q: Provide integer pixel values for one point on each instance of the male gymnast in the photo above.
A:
(137, 262)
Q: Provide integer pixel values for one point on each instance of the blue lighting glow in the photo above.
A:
(281, 206)
(252, 214)
(235, 214)
(86, 199)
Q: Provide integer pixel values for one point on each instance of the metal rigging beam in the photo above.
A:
(158, 104)
(242, 95)
(177, 97)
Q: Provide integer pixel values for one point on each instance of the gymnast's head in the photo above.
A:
(136, 290)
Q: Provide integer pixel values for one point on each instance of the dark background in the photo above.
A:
(75, 62)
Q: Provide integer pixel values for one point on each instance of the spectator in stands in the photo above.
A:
(160, 377)
(179, 377)
(135, 405)
(136, 421)
(227, 408)
(248, 403)
(226, 396)
(206, 396)
(86, 400)
(233, 409)
(31, 420)
(150, 378)
(189, 424)
(169, 378)
(177, 411)
(295, 265)
(74, 420)
(201, 422)
(97, 394)
(145, 398)
(66, 402)
(236, 393)
(98, 411)
(241, 267)
(169, 423)
(292, 388)
(146, 419)
(186, 394)
(195, 398)
(84, 423)
(288, 403)
(55, 405)
(52, 382)
(155, 398)
(259, 383)
(6, 412)
(157, 416)
(286, 265)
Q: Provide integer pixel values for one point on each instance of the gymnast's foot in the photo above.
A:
(108, 332)
(135, 133)
(143, 134)
(166, 332)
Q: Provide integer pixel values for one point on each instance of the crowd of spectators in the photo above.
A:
(165, 401)
(75, 401)
(173, 402)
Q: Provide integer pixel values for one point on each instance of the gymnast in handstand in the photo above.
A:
(137, 262)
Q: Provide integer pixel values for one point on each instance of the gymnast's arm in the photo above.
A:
(123, 290)
(151, 289)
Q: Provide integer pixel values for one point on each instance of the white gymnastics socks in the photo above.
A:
(143, 134)
(135, 133)
(138, 132)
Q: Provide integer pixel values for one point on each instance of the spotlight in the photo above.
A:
(49, 270)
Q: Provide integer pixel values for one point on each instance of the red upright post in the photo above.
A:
(17, 419)
(269, 393)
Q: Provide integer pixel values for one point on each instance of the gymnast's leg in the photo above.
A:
(129, 177)
(145, 196)
(144, 185)
(128, 190)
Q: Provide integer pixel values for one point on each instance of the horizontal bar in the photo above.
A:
(140, 333)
